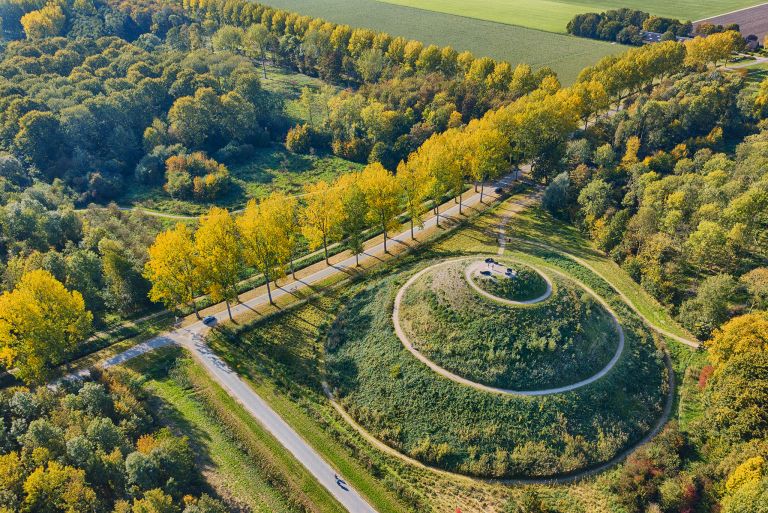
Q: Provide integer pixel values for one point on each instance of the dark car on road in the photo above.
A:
(210, 321)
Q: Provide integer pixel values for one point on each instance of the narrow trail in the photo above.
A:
(496, 390)
(192, 338)
(557, 480)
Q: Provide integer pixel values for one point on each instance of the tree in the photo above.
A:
(710, 307)
(58, 488)
(154, 501)
(415, 184)
(354, 207)
(756, 282)
(258, 36)
(487, 155)
(217, 244)
(555, 198)
(741, 335)
(228, 39)
(286, 215)
(321, 215)
(382, 194)
(172, 268)
(259, 226)
(41, 323)
(708, 245)
(46, 22)
(595, 199)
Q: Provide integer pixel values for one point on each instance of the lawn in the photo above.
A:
(270, 169)
(559, 341)
(553, 15)
(240, 460)
(565, 54)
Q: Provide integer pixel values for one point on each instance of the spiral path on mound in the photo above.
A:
(474, 268)
(479, 386)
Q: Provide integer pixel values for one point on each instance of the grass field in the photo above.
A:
(240, 460)
(565, 54)
(553, 15)
(562, 340)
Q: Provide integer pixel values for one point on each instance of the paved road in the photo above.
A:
(192, 338)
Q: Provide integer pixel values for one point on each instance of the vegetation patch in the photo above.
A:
(550, 344)
(512, 281)
(459, 428)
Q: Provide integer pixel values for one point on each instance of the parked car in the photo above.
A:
(210, 321)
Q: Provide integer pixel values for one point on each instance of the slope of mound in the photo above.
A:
(553, 343)
(450, 425)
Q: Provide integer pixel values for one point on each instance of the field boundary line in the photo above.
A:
(731, 12)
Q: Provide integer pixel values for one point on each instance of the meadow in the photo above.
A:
(565, 54)
(560, 341)
(553, 15)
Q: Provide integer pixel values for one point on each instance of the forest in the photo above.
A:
(656, 154)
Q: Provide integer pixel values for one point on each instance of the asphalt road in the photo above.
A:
(192, 338)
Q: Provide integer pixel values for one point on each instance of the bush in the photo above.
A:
(299, 139)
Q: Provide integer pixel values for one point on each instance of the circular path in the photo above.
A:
(479, 386)
(476, 267)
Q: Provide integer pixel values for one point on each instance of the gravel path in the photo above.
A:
(485, 388)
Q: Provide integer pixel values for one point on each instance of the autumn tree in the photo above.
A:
(41, 324)
(219, 250)
(262, 235)
(321, 215)
(487, 155)
(415, 184)
(355, 210)
(382, 194)
(59, 488)
(172, 268)
(46, 22)
(744, 334)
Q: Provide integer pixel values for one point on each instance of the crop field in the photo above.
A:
(567, 55)
(553, 15)
(751, 21)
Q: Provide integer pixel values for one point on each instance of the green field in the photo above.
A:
(553, 15)
(565, 54)
(559, 341)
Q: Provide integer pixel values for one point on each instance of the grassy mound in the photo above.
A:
(523, 284)
(456, 427)
(557, 342)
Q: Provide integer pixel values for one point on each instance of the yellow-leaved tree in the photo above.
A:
(172, 268)
(383, 195)
(354, 208)
(46, 22)
(41, 323)
(261, 231)
(217, 244)
(744, 334)
(321, 216)
(486, 155)
(415, 184)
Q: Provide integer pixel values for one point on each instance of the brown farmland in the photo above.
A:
(752, 20)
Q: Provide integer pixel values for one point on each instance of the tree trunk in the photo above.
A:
(264, 64)
(385, 241)
(293, 269)
(325, 249)
(475, 186)
(482, 190)
(269, 291)
(197, 313)
(460, 212)
(413, 237)
(229, 311)
(357, 259)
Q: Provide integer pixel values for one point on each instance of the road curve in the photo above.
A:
(192, 338)
(485, 388)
